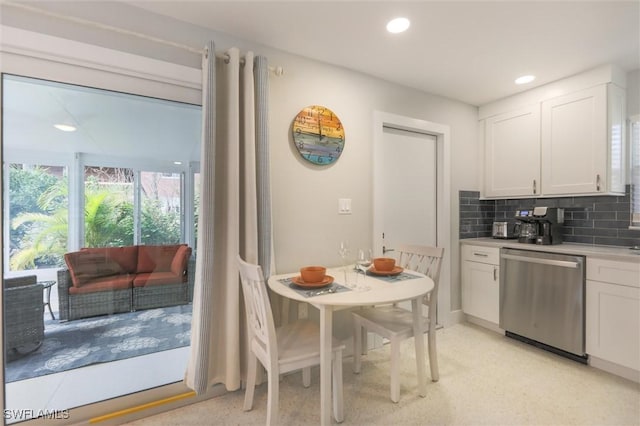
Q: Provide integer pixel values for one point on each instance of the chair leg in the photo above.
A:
(357, 345)
(251, 381)
(306, 377)
(338, 401)
(364, 337)
(395, 370)
(433, 355)
(273, 388)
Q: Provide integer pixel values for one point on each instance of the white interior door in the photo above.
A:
(407, 170)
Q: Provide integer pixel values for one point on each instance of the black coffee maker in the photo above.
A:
(540, 225)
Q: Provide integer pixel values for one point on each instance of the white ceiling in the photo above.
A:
(31, 107)
(469, 51)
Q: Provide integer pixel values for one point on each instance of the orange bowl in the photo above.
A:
(384, 263)
(313, 274)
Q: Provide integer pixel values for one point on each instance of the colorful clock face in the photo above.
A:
(318, 135)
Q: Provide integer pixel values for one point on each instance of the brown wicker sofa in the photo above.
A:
(108, 280)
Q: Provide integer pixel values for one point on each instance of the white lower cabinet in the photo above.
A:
(613, 312)
(481, 282)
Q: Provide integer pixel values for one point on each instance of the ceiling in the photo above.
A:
(469, 51)
(103, 121)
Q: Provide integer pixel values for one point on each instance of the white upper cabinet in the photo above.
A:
(512, 153)
(581, 141)
(563, 139)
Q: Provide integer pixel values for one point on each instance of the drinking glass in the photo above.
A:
(344, 252)
(364, 259)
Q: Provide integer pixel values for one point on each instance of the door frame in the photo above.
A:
(443, 208)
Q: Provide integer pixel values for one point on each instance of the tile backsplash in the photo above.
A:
(598, 220)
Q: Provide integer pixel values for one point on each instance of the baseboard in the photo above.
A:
(617, 369)
(484, 323)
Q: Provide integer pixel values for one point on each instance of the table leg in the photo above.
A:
(418, 336)
(326, 336)
(48, 303)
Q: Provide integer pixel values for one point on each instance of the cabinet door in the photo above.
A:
(612, 323)
(480, 290)
(512, 153)
(574, 143)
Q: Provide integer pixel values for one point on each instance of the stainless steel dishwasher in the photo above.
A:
(542, 300)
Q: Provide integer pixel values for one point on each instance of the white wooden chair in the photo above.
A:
(396, 323)
(288, 348)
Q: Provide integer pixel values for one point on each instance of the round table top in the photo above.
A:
(379, 290)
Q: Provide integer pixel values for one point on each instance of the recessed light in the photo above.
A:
(398, 25)
(177, 163)
(65, 127)
(525, 79)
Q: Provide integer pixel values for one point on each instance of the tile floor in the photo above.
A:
(485, 379)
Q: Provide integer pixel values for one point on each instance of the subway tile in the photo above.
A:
(624, 217)
(469, 208)
(611, 207)
(588, 220)
(578, 215)
(579, 223)
(602, 215)
(580, 239)
(629, 233)
(596, 232)
(610, 224)
(625, 242)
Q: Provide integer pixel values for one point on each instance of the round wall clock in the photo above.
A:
(318, 135)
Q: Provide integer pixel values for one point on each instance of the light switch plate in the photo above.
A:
(344, 206)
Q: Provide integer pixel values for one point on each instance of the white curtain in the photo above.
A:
(235, 212)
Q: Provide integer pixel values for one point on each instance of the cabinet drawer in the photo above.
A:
(490, 255)
(611, 271)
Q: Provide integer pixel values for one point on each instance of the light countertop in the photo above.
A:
(623, 254)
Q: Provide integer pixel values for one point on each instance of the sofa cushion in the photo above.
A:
(126, 257)
(110, 283)
(181, 261)
(146, 279)
(156, 258)
(86, 266)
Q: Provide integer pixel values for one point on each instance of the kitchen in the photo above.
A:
(351, 178)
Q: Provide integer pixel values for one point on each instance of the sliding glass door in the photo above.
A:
(96, 186)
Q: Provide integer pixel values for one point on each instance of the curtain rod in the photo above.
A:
(278, 71)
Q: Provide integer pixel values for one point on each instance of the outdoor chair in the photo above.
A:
(288, 348)
(396, 323)
(23, 316)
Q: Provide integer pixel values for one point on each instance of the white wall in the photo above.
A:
(307, 228)
(633, 93)
(305, 195)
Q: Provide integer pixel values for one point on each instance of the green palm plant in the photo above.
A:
(108, 221)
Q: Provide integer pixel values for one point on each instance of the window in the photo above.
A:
(161, 208)
(635, 171)
(37, 216)
(108, 207)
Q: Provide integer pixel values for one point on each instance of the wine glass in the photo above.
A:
(364, 260)
(343, 251)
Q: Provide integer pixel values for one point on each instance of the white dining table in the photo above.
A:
(370, 290)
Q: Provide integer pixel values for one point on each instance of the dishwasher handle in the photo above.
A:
(550, 262)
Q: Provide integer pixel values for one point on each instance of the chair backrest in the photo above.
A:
(20, 281)
(426, 260)
(258, 309)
